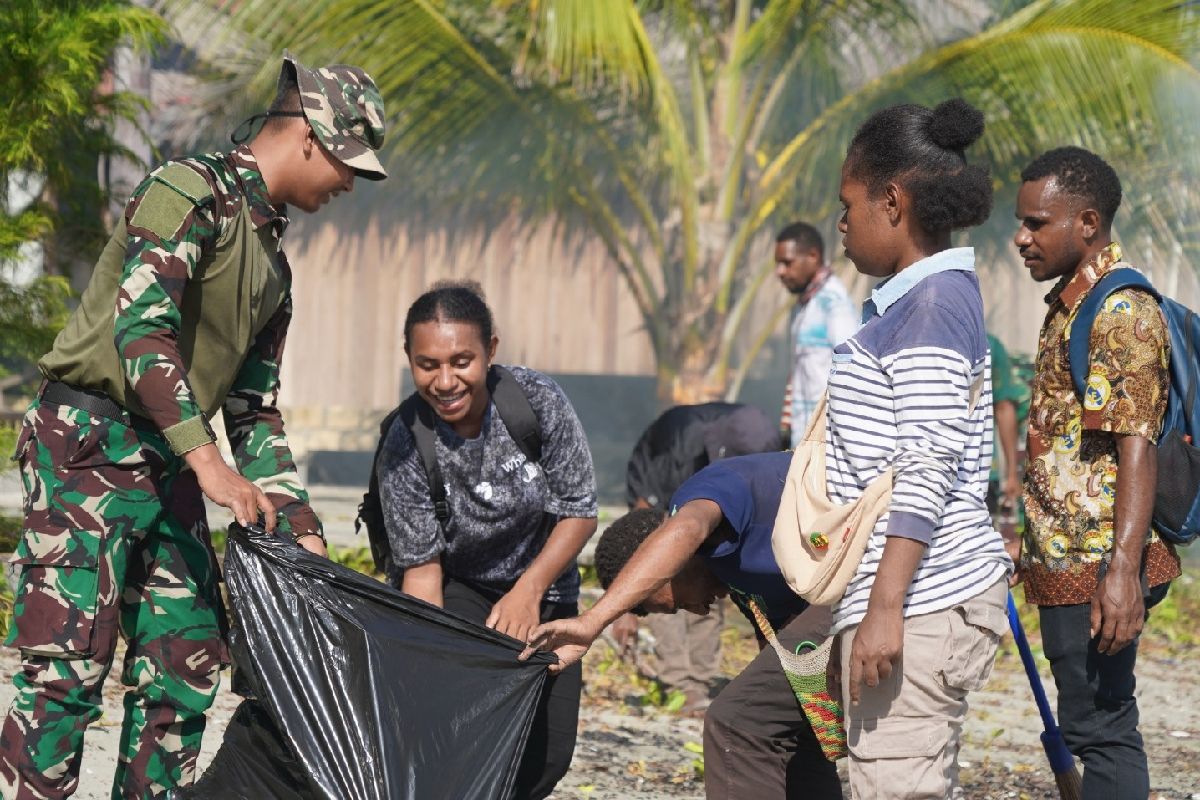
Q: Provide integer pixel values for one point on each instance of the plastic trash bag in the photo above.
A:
(361, 692)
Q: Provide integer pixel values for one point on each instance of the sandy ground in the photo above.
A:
(627, 750)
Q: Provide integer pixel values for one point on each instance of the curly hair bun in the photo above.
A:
(955, 124)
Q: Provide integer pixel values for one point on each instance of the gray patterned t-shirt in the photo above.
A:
(502, 508)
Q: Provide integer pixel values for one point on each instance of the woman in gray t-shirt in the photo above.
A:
(506, 555)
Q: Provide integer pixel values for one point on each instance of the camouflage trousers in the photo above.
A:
(115, 544)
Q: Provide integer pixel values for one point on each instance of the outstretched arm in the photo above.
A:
(659, 559)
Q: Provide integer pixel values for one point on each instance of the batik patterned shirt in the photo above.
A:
(1071, 476)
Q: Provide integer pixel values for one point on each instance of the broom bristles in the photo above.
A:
(1070, 785)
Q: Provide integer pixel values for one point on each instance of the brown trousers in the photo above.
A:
(757, 742)
(687, 648)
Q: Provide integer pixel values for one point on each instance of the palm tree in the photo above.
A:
(681, 133)
(57, 123)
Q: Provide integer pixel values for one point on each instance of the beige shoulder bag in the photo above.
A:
(819, 544)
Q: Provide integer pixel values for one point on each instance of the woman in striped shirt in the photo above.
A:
(919, 623)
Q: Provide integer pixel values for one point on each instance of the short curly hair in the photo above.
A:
(1082, 174)
(923, 150)
(804, 235)
(621, 540)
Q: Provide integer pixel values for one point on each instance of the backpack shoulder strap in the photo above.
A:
(516, 412)
(372, 495)
(418, 418)
(384, 427)
(1078, 347)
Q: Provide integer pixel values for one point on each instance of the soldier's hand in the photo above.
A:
(229, 489)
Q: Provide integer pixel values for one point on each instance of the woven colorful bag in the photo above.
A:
(805, 672)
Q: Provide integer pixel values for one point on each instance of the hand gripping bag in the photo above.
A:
(361, 692)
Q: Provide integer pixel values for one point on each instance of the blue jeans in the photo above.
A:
(1097, 710)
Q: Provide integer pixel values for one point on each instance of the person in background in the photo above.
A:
(1093, 565)
(1004, 481)
(505, 557)
(681, 442)
(824, 317)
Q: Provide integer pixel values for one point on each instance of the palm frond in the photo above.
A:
(1042, 79)
(49, 68)
(585, 44)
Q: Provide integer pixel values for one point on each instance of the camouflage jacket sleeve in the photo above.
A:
(170, 222)
(255, 427)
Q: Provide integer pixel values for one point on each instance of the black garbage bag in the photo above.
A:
(360, 692)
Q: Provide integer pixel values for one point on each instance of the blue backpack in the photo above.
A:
(1177, 497)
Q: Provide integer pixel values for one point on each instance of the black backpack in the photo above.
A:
(515, 412)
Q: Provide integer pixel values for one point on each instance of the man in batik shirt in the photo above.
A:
(1092, 563)
(185, 315)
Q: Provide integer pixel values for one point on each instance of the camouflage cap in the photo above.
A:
(345, 110)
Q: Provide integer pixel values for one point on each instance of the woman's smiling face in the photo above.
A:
(449, 363)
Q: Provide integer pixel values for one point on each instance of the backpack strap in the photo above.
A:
(1190, 378)
(1079, 346)
(418, 417)
(515, 411)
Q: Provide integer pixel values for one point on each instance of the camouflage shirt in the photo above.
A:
(201, 291)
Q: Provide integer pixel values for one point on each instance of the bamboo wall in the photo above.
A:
(560, 306)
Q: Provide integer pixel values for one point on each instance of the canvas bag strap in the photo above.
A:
(815, 432)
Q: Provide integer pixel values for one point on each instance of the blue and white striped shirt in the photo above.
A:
(899, 396)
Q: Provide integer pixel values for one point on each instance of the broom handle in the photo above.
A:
(1031, 670)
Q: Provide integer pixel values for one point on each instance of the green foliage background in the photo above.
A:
(53, 58)
(681, 133)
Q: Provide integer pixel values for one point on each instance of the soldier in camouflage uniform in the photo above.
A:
(185, 315)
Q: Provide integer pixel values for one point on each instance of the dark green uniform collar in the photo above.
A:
(245, 165)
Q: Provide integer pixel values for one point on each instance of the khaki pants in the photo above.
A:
(687, 648)
(904, 733)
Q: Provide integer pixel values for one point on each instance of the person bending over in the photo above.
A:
(679, 443)
(717, 541)
(505, 556)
